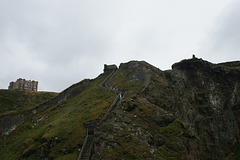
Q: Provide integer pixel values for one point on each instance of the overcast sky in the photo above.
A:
(61, 42)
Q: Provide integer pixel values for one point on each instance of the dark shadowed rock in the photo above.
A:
(10, 122)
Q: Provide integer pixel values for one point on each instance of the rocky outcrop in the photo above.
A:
(206, 98)
(209, 105)
(142, 71)
(10, 122)
(189, 112)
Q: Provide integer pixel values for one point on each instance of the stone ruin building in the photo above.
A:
(109, 67)
(23, 84)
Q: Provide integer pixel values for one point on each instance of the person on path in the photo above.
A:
(120, 95)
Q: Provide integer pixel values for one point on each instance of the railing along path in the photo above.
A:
(85, 152)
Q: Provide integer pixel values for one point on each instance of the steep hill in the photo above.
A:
(14, 103)
(137, 112)
(54, 129)
(18, 100)
(189, 112)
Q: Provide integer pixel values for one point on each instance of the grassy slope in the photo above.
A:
(16, 100)
(236, 153)
(62, 133)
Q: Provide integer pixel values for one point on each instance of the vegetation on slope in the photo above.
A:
(124, 82)
(134, 130)
(143, 126)
(136, 134)
(58, 132)
(236, 153)
(18, 100)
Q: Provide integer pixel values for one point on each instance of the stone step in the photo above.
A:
(86, 153)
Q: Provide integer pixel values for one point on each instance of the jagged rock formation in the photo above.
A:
(189, 112)
(209, 97)
(10, 122)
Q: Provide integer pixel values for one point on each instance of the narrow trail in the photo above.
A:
(85, 152)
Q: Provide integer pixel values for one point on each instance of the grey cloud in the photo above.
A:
(62, 42)
(222, 44)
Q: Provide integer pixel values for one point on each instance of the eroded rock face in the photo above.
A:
(10, 122)
(209, 103)
(189, 112)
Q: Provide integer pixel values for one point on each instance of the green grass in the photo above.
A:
(128, 147)
(173, 128)
(174, 147)
(18, 100)
(236, 153)
(171, 132)
(62, 133)
(123, 83)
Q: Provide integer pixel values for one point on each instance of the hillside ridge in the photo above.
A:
(188, 112)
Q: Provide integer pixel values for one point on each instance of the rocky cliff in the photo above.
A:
(189, 112)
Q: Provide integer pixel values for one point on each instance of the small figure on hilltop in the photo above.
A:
(193, 56)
